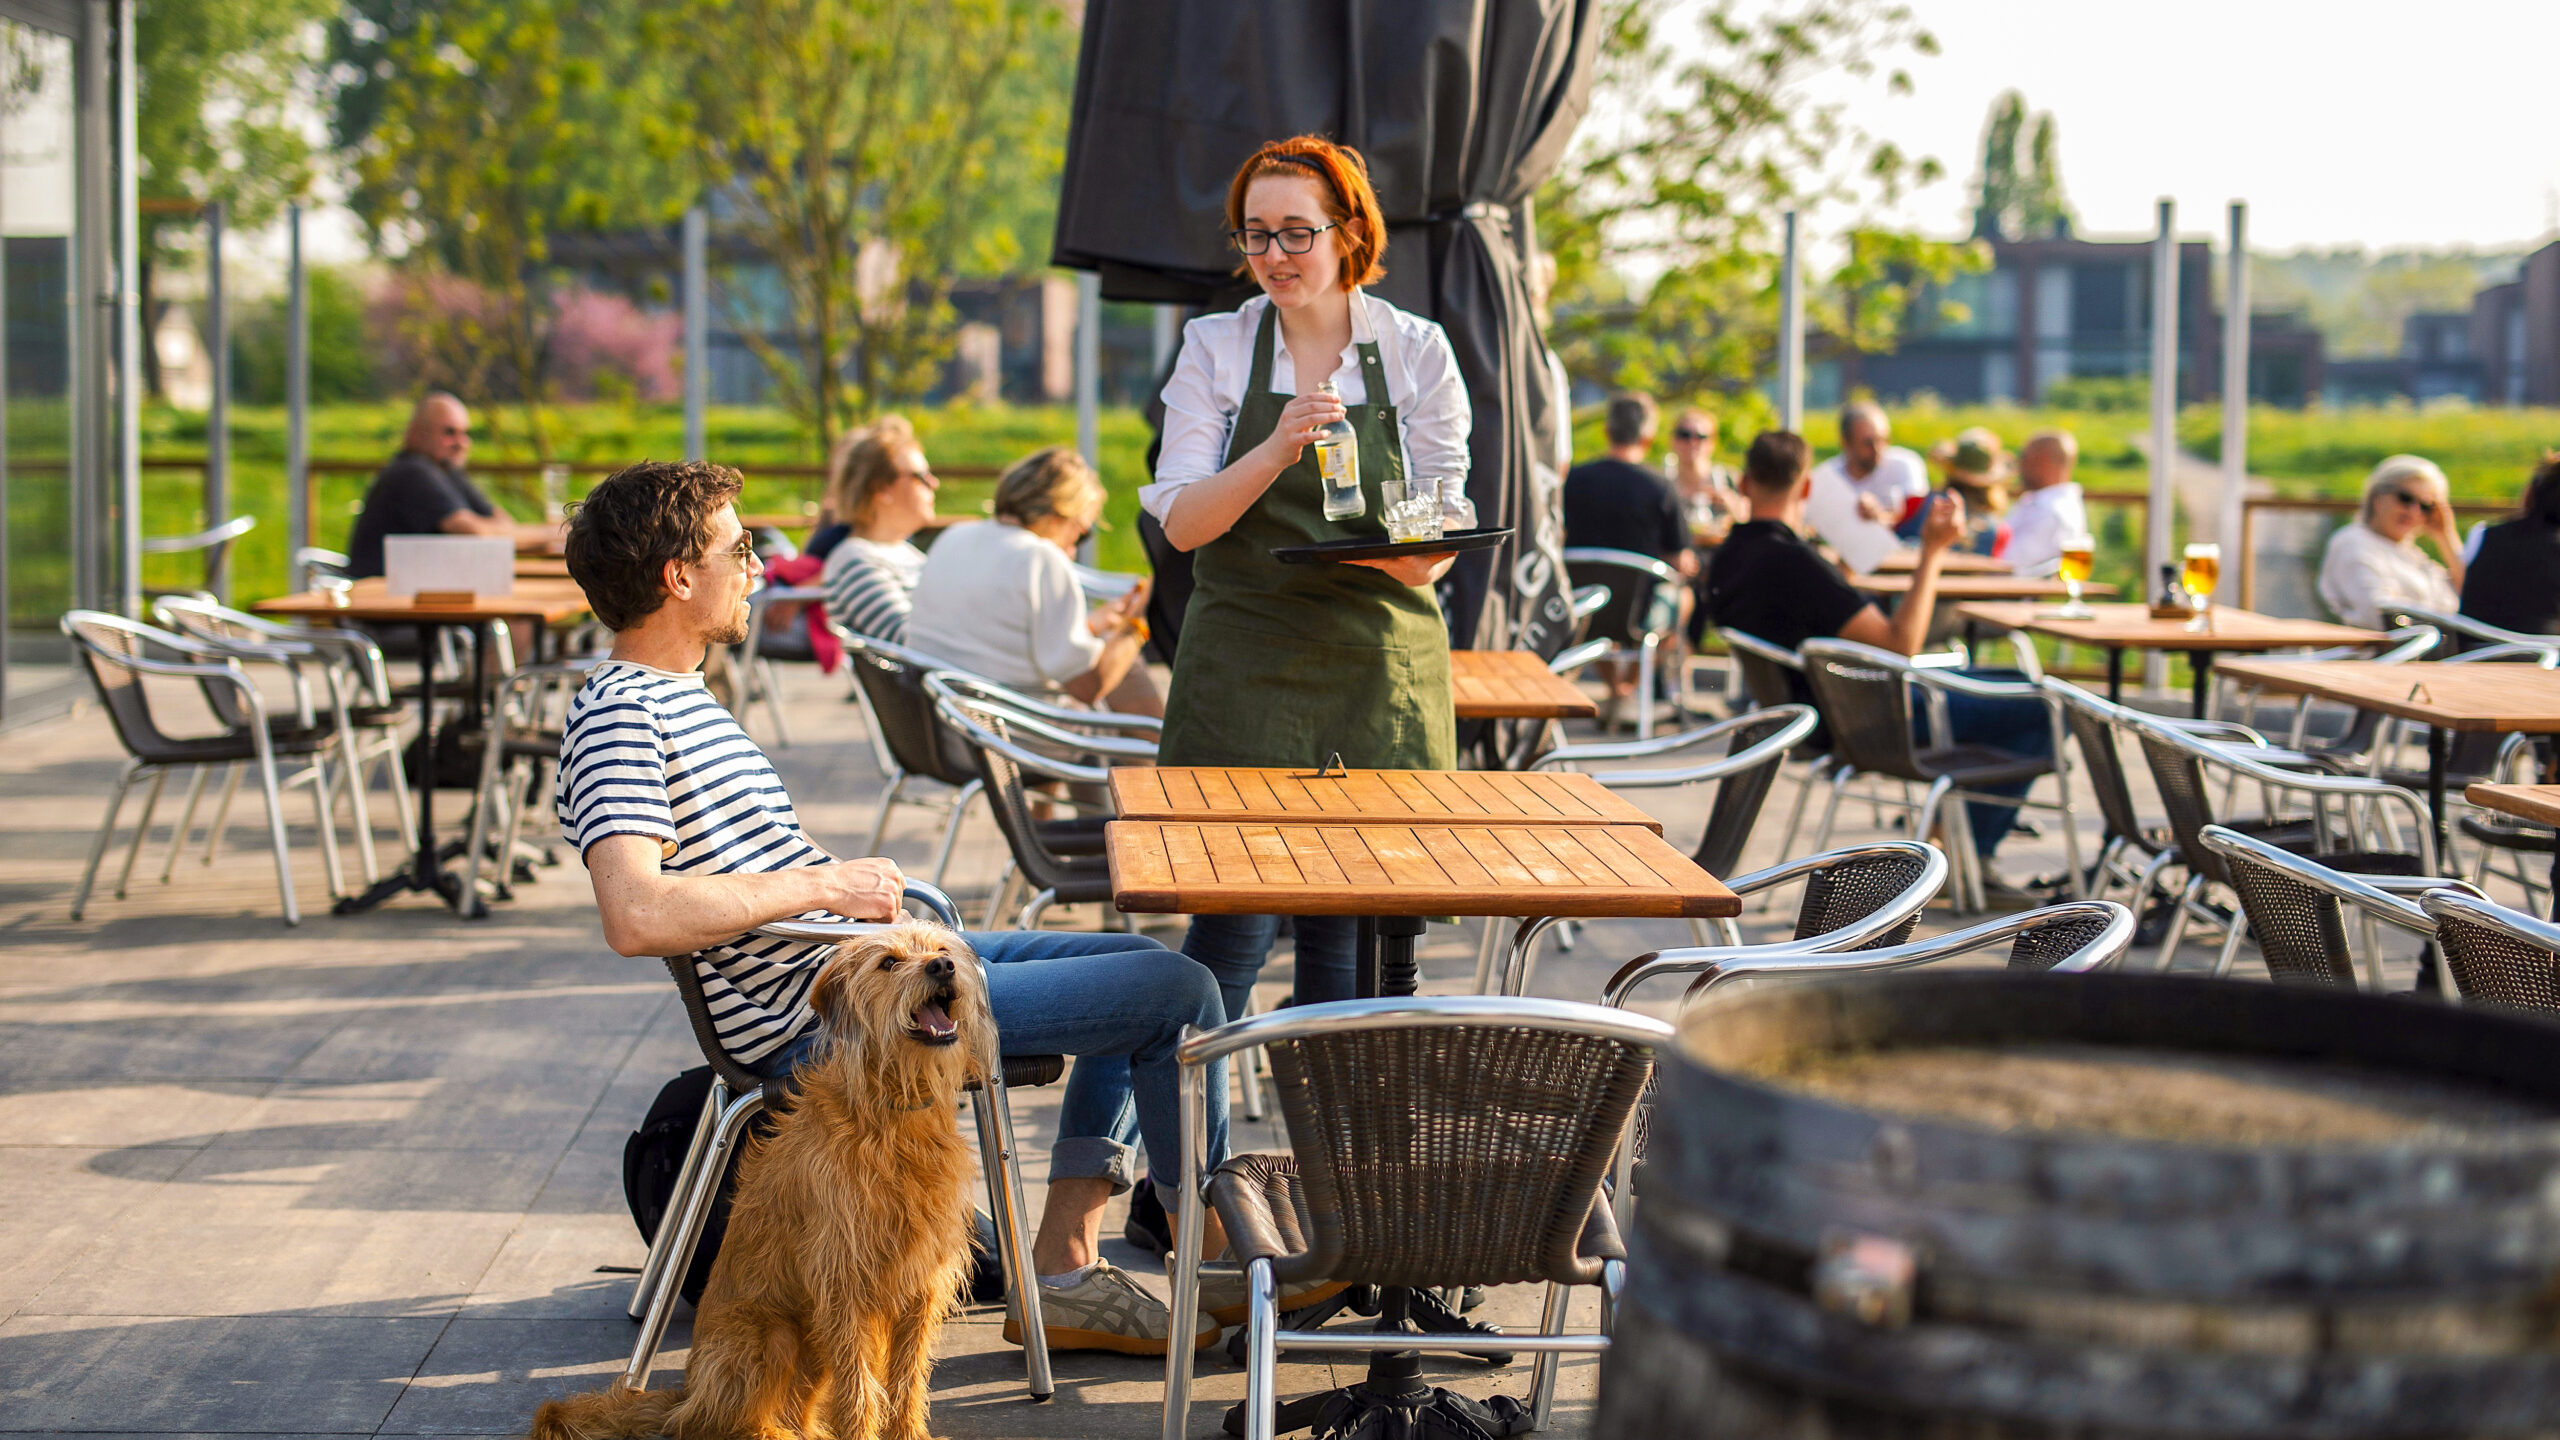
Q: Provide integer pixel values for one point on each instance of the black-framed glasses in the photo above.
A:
(1294, 239)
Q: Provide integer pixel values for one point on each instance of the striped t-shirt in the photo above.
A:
(871, 587)
(649, 752)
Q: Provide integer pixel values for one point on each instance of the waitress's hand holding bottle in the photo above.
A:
(1302, 421)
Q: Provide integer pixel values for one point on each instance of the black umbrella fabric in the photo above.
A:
(1461, 109)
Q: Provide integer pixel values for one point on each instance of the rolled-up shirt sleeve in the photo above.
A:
(1439, 419)
(1197, 420)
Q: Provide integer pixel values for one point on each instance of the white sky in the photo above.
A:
(2341, 122)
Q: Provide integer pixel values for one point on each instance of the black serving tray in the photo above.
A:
(1362, 547)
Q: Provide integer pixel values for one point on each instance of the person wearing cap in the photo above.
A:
(2050, 508)
(1977, 469)
(2374, 560)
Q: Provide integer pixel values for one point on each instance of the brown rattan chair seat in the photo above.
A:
(1263, 1204)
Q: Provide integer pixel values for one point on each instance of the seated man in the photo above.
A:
(1619, 502)
(1767, 580)
(691, 843)
(423, 491)
(1861, 494)
(2050, 508)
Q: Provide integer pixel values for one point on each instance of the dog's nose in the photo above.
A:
(939, 967)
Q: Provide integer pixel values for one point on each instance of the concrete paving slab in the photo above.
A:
(487, 1376)
(280, 1374)
(55, 1204)
(107, 1113)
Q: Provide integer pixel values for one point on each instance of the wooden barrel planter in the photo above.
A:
(1984, 1205)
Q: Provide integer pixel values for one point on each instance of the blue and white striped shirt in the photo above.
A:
(649, 752)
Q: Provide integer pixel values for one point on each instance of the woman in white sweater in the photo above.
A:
(999, 597)
(2374, 561)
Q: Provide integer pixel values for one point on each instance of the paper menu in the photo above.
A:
(449, 564)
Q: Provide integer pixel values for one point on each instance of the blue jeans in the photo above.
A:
(1118, 1003)
(1234, 948)
(2020, 726)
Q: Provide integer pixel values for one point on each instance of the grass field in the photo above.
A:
(2487, 453)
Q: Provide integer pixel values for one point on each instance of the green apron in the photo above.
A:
(1286, 665)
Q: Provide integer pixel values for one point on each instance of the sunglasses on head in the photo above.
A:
(2425, 506)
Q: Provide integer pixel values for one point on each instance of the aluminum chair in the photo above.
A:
(213, 543)
(738, 1095)
(890, 680)
(1756, 744)
(2495, 955)
(2177, 761)
(527, 712)
(2072, 938)
(2466, 628)
(1866, 694)
(1506, 1167)
(2290, 907)
(119, 654)
(1002, 740)
(1642, 615)
(369, 718)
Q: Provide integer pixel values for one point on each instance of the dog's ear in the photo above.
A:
(832, 995)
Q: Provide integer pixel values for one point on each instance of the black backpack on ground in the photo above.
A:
(654, 1155)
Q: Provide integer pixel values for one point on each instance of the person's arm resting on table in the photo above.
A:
(648, 911)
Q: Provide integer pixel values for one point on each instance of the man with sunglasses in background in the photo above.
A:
(423, 491)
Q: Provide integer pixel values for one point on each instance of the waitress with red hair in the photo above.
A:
(1287, 665)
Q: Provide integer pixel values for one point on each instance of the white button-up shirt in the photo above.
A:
(2040, 521)
(1207, 390)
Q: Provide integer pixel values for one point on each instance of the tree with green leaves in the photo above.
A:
(2014, 200)
(1708, 129)
(871, 151)
(214, 117)
(479, 128)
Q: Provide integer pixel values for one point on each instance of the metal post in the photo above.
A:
(2161, 515)
(2235, 413)
(1168, 335)
(1791, 335)
(697, 333)
(128, 303)
(1089, 366)
(297, 394)
(217, 424)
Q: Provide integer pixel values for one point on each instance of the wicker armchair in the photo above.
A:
(2496, 956)
(1060, 860)
(2291, 906)
(1434, 1141)
(1641, 616)
(738, 1095)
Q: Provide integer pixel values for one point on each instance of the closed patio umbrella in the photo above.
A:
(1462, 108)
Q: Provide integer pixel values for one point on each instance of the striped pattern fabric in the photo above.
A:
(650, 753)
(866, 596)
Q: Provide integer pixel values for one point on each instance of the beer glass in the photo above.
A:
(2079, 557)
(2203, 569)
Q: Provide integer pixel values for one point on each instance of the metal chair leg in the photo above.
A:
(1034, 908)
(106, 832)
(1542, 1371)
(1795, 820)
(1831, 806)
(405, 805)
(653, 1270)
(770, 680)
(141, 828)
(994, 1115)
(687, 1217)
(1261, 1349)
(2231, 944)
(322, 810)
(1484, 953)
(2177, 924)
(222, 813)
(359, 813)
(275, 834)
(186, 823)
(1248, 1068)
(951, 827)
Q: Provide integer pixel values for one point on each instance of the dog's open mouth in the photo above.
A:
(931, 1024)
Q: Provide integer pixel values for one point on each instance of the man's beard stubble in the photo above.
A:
(733, 633)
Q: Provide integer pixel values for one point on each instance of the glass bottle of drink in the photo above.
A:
(1338, 462)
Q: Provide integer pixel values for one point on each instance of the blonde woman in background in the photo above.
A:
(2374, 561)
(881, 489)
(999, 597)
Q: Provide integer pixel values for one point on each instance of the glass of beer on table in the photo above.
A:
(2079, 557)
(2203, 569)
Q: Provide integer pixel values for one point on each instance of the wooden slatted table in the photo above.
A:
(541, 567)
(2128, 626)
(2493, 698)
(1514, 685)
(1169, 867)
(2537, 803)
(1241, 795)
(1954, 562)
(542, 602)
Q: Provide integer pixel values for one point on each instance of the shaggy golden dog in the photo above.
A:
(849, 1232)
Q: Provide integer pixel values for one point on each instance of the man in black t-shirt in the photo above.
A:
(423, 491)
(1620, 503)
(1767, 581)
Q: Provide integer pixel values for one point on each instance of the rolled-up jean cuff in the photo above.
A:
(1092, 1157)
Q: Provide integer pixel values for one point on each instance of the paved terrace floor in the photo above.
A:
(363, 1177)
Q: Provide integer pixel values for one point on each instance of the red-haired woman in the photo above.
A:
(1286, 665)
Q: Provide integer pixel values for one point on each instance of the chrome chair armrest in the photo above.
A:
(918, 893)
(1717, 963)
(1796, 728)
(1015, 702)
(1574, 657)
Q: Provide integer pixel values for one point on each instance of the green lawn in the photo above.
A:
(2487, 453)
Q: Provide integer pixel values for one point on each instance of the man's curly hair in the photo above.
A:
(624, 532)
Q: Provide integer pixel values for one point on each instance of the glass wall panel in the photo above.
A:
(35, 361)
